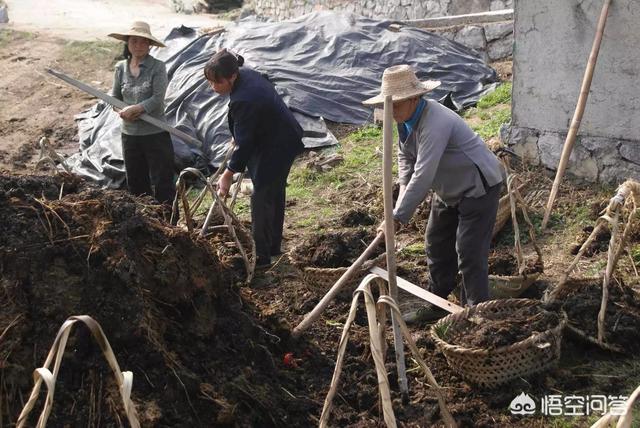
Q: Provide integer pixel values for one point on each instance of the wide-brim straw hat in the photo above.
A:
(401, 82)
(140, 29)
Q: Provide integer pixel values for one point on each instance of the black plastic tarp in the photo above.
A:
(323, 64)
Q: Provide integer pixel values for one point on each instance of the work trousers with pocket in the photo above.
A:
(268, 204)
(149, 164)
(458, 239)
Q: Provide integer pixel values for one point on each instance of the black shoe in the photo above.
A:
(263, 263)
(426, 313)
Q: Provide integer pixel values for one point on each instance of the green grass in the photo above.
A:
(101, 51)
(490, 125)
(8, 36)
(501, 95)
(413, 250)
(361, 153)
(635, 254)
(492, 111)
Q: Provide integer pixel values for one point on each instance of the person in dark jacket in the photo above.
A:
(141, 81)
(267, 140)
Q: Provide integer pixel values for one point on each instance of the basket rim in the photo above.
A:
(525, 343)
(530, 276)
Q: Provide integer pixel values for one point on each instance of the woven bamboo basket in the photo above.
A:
(504, 212)
(495, 367)
(324, 278)
(510, 287)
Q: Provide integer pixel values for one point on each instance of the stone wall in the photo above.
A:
(493, 40)
(385, 9)
(553, 39)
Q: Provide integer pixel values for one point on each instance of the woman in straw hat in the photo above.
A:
(267, 139)
(141, 81)
(438, 151)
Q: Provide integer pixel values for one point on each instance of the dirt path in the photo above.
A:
(94, 19)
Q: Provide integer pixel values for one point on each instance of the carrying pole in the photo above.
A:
(577, 115)
(389, 235)
(114, 102)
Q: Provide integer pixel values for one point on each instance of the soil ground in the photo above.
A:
(205, 351)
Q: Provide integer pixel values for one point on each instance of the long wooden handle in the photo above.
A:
(120, 104)
(320, 307)
(577, 115)
(387, 188)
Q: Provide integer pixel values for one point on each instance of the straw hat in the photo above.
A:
(140, 29)
(401, 83)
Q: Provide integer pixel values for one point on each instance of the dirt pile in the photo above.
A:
(504, 263)
(165, 300)
(622, 316)
(335, 249)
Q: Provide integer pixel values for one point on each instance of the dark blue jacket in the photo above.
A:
(267, 135)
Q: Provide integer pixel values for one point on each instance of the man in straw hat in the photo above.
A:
(141, 81)
(438, 151)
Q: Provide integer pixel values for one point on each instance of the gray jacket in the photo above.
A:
(147, 89)
(442, 153)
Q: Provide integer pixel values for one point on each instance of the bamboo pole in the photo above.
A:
(322, 304)
(389, 235)
(577, 115)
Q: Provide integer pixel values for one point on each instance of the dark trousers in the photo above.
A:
(267, 209)
(458, 238)
(149, 163)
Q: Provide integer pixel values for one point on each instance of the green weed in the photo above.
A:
(442, 330)
(502, 95)
(490, 124)
(413, 250)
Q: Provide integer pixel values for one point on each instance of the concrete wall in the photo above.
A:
(387, 9)
(553, 39)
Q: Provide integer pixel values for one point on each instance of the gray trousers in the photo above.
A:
(458, 238)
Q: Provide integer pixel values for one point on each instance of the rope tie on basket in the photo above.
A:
(124, 380)
(48, 155)
(513, 185)
(230, 220)
(376, 318)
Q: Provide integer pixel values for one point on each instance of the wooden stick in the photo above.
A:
(577, 116)
(419, 292)
(607, 276)
(389, 233)
(120, 104)
(320, 307)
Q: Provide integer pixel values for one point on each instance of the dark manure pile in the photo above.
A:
(165, 300)
(503, 262)
(492, 330)
(333, 250)
(622, 317)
